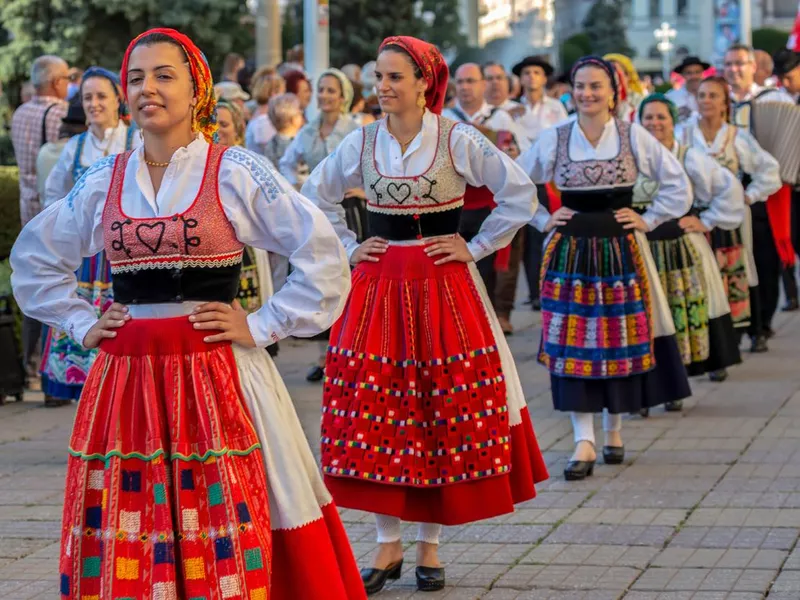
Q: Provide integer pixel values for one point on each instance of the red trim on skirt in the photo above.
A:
(315, 561)
(453, 504)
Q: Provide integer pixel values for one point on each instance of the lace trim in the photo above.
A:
(175, 262)
(416, 210)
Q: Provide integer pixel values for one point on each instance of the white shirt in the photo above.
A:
(499, 120)
(716, 187)
(474, 157)
(673, 199)
(60, 181)
(258, 133)
(685, 101)
(544, 114)
(763, 169)
(265, 211)
(742, 118)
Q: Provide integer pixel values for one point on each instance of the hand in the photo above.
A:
(115, 317)
(355, 193)
(453, 248)
(230, 319)
(364, 252)
(747, 200)
(691, 224)
(631, 219)
(558, 218)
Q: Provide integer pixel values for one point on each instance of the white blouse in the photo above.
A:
(546, 113)
(763, 169)
(492, 117)
(60, 181)
(265, 211)
(475, 158)
(716, 187)
(673, 199)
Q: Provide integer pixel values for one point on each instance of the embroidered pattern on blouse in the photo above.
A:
(260, 169)
(104, 163)
(438, 189)
(179, 261)
(620, 171)
(476, 136)
(645, 189)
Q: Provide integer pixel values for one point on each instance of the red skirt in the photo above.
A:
(166, 496)
(416, 420)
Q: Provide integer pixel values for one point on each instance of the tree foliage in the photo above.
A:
(605, 28)
(87, 32)
(444, 28)
(770, 40)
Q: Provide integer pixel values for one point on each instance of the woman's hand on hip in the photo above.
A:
(229, 319)
(558, 218)
(630, 219)
(115, 317)
(364, 252)
(450, 248)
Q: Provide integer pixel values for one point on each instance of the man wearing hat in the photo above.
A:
(541, 111)
(685, 97)
(787, 70)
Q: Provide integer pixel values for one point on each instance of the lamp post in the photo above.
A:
(665, 34)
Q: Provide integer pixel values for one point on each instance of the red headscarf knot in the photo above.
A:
(205, 111)
(432, 64)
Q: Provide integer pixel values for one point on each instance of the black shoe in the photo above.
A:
(315, 374)
(578, 470)
(769, 333)
(719, 375)
(536, 304)
(430, 579)
(759, 343)
(613, 455)
(375, 579)
(644, 412)
(791, 305)
(673, 406)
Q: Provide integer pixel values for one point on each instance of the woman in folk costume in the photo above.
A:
(424, 418)
(189, 475)
(631, 89)
(685, 261)
(66, 363)
(738, 151)
(607, 334)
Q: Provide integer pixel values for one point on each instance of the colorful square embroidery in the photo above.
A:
(187, 479)
(253, 560)
(130, 521)
(91, 566)
(230, 586)
(215, 494)
(96, 479)
(259, 594)
(194, 567)
(131, 481)
(165, 591)
(127, 568)
(160, 493)
(223, 548)
(191, 520)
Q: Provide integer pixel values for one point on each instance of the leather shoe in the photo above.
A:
(430, 579)
(315, 374)
(759, 343)
(505, 325)
(375, 579)
(673, 406)
(536, 304)
(791, 305)
(769, 333)
(613, 455)
(719, 375)
(578, 470)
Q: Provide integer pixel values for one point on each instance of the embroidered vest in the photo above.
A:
(192, 255)
(645, 189)
(78, 169)
(425, 205)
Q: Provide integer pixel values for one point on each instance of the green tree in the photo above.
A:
(443, 24)
(580, 41)
(605, 27)
(359, 26)
(570, 53)
(769, 39)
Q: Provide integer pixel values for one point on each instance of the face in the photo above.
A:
(160, 88)
(694, 76)
(533, 78)
(740, 69)
(470, 85)
(592, 91)
(227, 130)
(395, 83)
(61, 82)
(496, 84)
(304, 93)
(791, 81)
(657, 120)
(329, 94)
(711, 100)
(100, 102)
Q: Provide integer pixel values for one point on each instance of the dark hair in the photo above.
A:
(293, 79)
(723, 83)
(739, 47)
(245, 75)
(400, 50)
(358, 90)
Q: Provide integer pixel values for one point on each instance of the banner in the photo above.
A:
(727, 26)
(794, 39)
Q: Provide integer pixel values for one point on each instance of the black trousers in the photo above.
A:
(534, 246)
(768, 267)
(471, 221)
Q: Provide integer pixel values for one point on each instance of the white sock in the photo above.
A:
(429, 533)
(612, 422)
(388, 529)
(582, 426)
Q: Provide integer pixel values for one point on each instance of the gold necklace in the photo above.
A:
(161, 165)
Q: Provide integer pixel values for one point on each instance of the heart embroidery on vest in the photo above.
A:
(593, 174)
(151, 234)
(650, 188)
(399, 192)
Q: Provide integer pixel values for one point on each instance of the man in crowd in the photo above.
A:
(685, 97)
(764, 68)
(231, 66)
(498, 89)
(34, 124)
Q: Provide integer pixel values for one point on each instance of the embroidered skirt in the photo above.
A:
(731, 256)
(423, 413)
(65, 363)
(166, 495)
(607, 333)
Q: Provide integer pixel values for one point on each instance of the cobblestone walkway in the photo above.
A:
(706, 506)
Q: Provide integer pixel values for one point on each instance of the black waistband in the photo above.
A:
(411, 227)
(596, 224)
(669, 230)
(155, 286)
(597, 200)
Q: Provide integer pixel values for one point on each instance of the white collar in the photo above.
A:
(430, 122)
(198, 147)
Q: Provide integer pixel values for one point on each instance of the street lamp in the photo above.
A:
(665, 34)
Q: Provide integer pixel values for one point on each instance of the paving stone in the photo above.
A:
(735, 537)
(626, 535)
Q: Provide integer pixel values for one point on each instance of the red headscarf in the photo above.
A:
(431, 62)
(205, 112)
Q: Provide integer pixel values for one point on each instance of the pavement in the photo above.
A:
(705, 507)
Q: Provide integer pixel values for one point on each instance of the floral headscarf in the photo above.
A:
(432, 64)
(634, 84)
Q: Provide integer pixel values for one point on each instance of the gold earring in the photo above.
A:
(421, 101)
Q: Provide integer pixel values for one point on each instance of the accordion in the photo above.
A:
(776, 127)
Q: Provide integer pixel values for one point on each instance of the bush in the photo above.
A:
(570, 53)
(6, 150)
(9, 209)
(582, 41)
(769, 40)
(663, 88)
